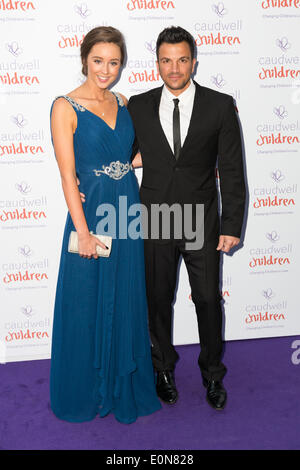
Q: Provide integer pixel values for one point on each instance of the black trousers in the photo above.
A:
(161, 261)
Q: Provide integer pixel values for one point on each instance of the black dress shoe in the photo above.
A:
(165, 387)
(216, 394)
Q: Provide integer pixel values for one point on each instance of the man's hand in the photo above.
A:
(82, 196)
(226, 242)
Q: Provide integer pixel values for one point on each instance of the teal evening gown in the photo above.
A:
(101, 358)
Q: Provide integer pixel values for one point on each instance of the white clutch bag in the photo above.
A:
(73, 244)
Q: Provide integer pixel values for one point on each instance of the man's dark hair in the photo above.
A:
(174, 35)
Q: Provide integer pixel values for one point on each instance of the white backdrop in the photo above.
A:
(246, 48)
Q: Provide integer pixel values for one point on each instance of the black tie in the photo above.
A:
(176, 129)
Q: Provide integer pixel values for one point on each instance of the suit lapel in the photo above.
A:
(158, 131)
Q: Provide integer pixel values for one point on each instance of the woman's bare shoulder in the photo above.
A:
(61, 104)
(63, 114)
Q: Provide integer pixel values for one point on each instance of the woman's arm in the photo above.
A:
(63, 122)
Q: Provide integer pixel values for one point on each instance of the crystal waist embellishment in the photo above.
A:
(115, 170)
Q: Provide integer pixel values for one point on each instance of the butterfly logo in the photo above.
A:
(277, 176)
(280, 112)
(283, 44)
(27, 311)
(23, 187)
(14, 48)
(151, 46)
(268, 293)
(25, 251)
(272, 236)
(218, 80)
(19, 120)
(219, 9)
(82, 10)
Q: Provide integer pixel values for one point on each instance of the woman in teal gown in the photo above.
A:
(101, 360)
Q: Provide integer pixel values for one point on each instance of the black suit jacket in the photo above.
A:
(213, 134)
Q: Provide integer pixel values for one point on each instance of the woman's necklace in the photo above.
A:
(103, 114)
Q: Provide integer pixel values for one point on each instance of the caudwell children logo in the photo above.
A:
(21, 142)
(24, 330)
(24, 209)
(16, 72)
(267, 311)
(272, 257)
(221, 32)
(281, 67)
(25, 270)
(278, 131)
(279, 194)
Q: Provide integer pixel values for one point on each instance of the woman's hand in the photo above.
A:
(87, 246)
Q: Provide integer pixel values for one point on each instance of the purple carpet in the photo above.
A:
(262, 412)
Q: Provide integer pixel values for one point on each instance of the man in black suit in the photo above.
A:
(182, 129)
